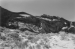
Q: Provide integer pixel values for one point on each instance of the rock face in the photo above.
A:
(71, 28)
(7, 16)
(43, 23)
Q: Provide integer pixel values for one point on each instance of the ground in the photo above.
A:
(16, 39)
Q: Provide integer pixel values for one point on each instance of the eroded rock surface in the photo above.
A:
(44, 23)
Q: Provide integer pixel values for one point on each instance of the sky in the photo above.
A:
(61, 8)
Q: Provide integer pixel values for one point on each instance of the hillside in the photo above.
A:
(19, 31)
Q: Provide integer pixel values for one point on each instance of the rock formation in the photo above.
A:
(40, 24)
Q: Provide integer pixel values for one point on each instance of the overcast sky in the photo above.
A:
(61, 8)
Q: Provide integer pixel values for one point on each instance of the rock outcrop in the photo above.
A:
(40, 24)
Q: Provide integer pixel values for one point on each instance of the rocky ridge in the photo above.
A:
(44, 23)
